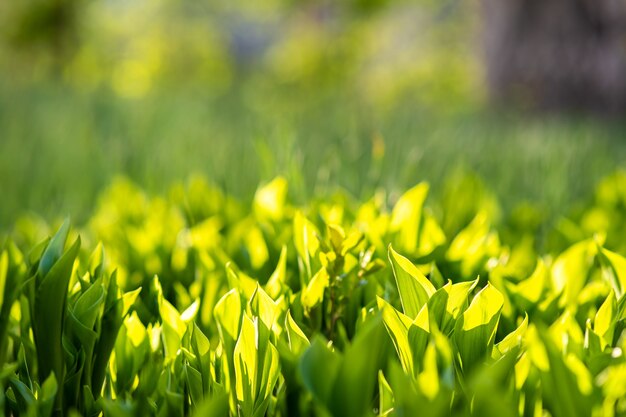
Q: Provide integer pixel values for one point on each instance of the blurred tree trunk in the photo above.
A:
(557, 54)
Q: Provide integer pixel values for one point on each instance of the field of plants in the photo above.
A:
(193, 303)
(313, 208)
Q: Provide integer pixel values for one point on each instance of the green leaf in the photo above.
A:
(614, 269)
(475, 330)
(319, 367)
(563, 396)
(397, 325)
(255, 246)
(313, 293)
(48, 393)
(531, 289)
(431, 235)
(353, 391)
(489, 388)
(88, 305)
(173, 328)
(410, 401)
(265, 307)
(278, 280)
(406, 217)
(216, 406)
(269, 200)
(48, 315)
(457, 296)
(12, 274)
(448, 303)
(24, 397)
(228, 312)
(246, 366)
(117, 408)
(4, 267)
(131, 349)
(116, 309)
(484, 307)
(473, 246)
(513, 339)
(298, 342)
(414, 288)
(571, 268)
(419, 334)
(96, 261)
(54, 249)
(237, 279)
(193, 382)
(267, 378)
(201, 347)
(428, 379)
(385, 402)
(305, 240)
(604, 323)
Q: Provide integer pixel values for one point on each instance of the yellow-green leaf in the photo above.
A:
(269, 200)
(475, 330)
(246, 366)
(614, 268)
(227, 312)
(484, 307)
(305, 239)
(513, 339)
(385, 402)
(397, 325)
(407, 216)
(604, 323)
(313, 293)
(278, 278)
(298, 341)
(570, 270)
(414, 288)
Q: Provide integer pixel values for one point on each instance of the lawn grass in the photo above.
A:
(60, 147)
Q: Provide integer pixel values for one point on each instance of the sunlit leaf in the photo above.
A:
(407, 216)
(228, 313)
(298, 341)
(269, 200)
(513, 339)
(397, 325)
(385, 405)
(246, 365)
(571, 268)
(305, 239)
(605, 320)
(414, 288)
(313, 294)
(614, 269)
(475, 329)
(278, 279)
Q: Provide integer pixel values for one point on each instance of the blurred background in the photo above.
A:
(527, 95)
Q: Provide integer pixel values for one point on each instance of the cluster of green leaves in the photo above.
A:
(202, 306)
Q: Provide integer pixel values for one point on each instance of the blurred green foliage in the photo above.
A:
(354, 95)
(60, 148)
